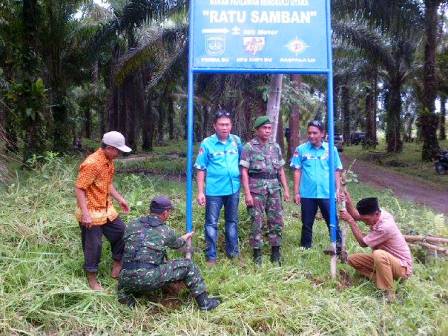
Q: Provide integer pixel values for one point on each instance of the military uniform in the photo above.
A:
(263, 162)
(145, 266)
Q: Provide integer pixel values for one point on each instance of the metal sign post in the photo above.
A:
(260, 37)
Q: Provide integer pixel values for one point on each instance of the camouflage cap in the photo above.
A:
(159, 204)
(260, 121)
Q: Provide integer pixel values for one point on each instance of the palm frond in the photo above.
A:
(366, 39)
(160, 52)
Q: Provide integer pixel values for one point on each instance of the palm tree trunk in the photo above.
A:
(113, 108)
(148, 125)
(346, 112)
(428, 118)
(294, 119)
(274, 99)
(132, 105)
(87, 122)
(442, 133)
(375, 106)
(207, 110)
(34, 139)
(122, 107)
(161, 119)
(393, 121)
(171, 115)
(114, 101)
(370, 118)
(336, 109)
(280, 132)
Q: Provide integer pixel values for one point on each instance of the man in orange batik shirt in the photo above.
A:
(95, 212)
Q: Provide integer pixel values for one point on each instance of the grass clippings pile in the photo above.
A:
(43, 288)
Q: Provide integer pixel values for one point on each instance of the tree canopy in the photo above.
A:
(71, 70)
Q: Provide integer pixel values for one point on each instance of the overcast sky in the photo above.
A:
(102, 3)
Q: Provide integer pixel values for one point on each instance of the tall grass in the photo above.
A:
(43, 288)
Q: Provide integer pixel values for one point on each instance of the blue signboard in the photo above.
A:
(259, 34)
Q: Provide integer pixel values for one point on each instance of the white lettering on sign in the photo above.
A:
(284, 3)
(225, 16)
(245, 2)
(298, 60)
(282, 16)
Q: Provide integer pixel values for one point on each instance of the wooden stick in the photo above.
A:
(433, 247)
(189, 254)
(333, 262)
(344, 229)
(430, 239)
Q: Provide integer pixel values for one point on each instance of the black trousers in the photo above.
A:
(309, 210)
(92, 242)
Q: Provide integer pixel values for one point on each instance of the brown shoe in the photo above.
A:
(93, 282)
(116, 269)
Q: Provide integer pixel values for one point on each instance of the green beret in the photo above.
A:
(260, 121)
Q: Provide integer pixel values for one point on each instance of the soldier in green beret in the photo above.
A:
(145, 266)
(261, 174)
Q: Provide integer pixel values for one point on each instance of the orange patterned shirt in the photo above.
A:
(95, 178)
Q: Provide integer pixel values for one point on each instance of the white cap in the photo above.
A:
(116, 139)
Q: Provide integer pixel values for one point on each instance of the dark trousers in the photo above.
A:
(92, 242)
(309, 210)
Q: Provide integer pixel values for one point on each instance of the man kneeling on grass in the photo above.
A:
(391, 258)
(145, 264)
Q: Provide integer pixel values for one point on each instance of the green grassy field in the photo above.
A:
(43, 288)
(407, 162)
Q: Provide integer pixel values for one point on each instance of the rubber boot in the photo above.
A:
(275, 255)
(125, 298)
(257, 257)
(206, 302)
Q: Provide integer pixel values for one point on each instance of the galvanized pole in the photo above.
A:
(190, 114)
(331, 143)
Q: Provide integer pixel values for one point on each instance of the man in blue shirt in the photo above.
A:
(311, 181)
(217, 167)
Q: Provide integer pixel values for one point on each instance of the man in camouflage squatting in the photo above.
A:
(145, 266)
(261, 168)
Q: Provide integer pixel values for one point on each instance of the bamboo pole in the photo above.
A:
(188, 253)
(432, 247)
(344, 230)
(429, 239)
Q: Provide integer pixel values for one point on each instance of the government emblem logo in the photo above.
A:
(215, 45)
(297, 46)
(253, 44)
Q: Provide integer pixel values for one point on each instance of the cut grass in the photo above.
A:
(43, 288)
(407, 162)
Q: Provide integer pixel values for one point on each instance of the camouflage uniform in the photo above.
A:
(145, 267)
(263, 162)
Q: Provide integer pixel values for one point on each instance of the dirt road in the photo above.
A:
(403, 186)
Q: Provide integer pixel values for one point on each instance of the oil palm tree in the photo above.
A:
(389, 34)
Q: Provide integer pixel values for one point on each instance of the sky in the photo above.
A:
(102, 3)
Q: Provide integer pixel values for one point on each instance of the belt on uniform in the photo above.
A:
(266, 176)
(137, 265)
